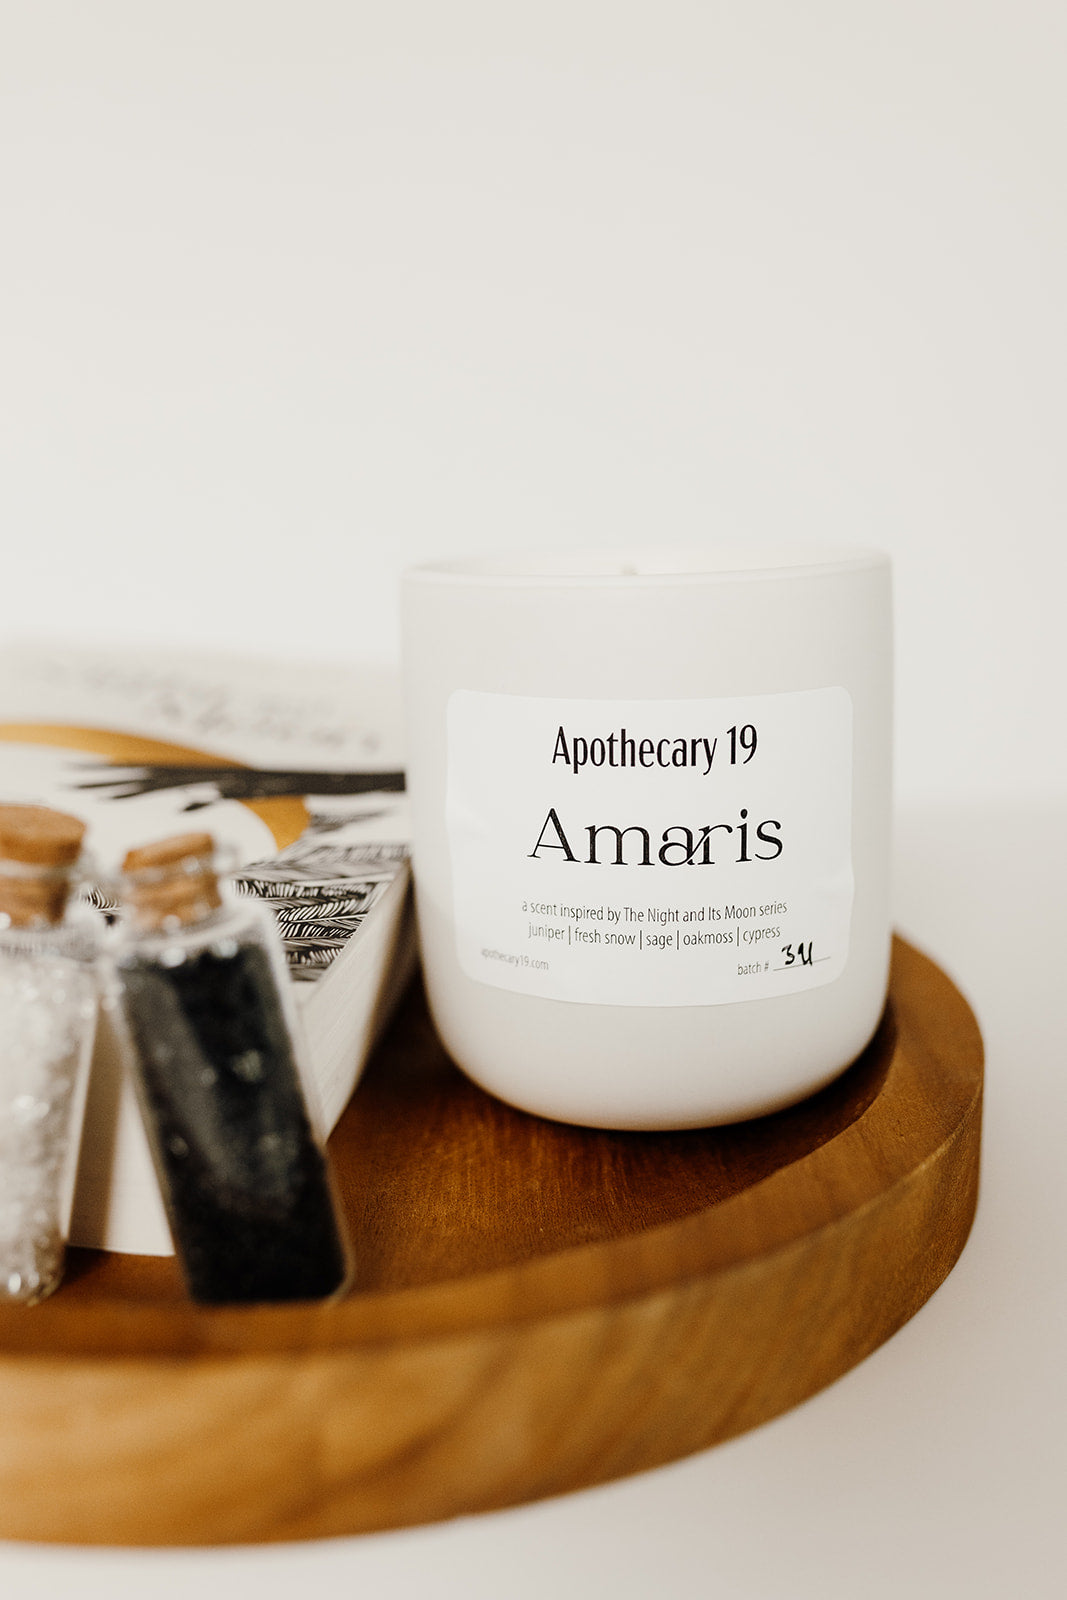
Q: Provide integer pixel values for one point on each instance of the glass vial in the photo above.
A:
(209, 1036)
(49, 947)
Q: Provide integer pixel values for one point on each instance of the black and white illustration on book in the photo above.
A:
(321, 887)
(242, 783)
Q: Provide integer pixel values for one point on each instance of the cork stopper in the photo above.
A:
(171, 882)
(38, 850)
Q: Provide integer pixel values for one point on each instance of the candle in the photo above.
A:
(650, 813)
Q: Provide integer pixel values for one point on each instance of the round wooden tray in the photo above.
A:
(537, 1307)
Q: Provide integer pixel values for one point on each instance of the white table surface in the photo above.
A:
(936, 1468)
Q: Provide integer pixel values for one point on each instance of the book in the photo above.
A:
(297, 772)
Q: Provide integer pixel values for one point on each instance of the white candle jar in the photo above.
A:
(651, 798)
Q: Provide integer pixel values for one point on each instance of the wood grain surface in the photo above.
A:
(537, 1307)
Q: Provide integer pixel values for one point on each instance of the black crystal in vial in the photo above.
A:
(245, 1181)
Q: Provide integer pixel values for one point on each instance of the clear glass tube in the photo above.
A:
(48, 1004)
(211, 1040)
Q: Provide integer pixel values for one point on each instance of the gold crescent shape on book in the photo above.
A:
(285, 815)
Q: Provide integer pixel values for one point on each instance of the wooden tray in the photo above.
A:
(538, 1307)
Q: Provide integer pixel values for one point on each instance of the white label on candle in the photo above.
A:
(651, 852)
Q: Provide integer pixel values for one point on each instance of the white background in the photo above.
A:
(292, 294)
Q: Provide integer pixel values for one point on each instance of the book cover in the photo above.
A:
(297, 772)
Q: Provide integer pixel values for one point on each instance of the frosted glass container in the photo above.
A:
(651, 798)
